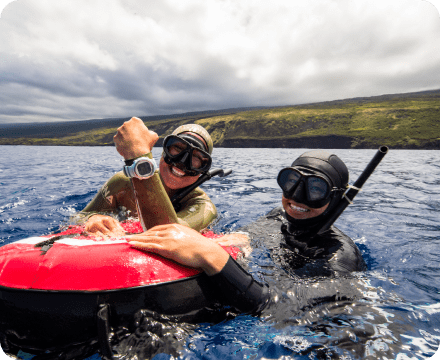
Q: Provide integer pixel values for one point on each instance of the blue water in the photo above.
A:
(394, 222)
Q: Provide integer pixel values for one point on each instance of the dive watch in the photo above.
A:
(141, 168)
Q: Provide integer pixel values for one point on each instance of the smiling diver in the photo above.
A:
(186, 157)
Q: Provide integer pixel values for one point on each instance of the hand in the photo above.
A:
(182, 245)
(239, 240)
(233, 239)
(103, 225)
(133, 139)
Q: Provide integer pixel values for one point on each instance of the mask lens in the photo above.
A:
(288, 179)
(199, 159)
(175, 146)
(317, 188)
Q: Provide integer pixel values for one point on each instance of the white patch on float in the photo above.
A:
(71, 241)
(87, 242)
(31, 240)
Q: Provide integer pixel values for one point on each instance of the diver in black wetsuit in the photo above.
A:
(312, 188)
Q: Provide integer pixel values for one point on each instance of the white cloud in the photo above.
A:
(109, 58)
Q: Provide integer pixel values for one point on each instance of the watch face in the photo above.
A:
(144, 169)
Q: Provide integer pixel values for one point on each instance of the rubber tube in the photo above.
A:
(352, 192)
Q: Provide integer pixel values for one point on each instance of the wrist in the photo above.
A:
(215, 261)
(136, 153)
(141, 168)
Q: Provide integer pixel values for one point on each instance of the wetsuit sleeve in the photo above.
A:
(106, 198)
(238, 288)
(197, 210)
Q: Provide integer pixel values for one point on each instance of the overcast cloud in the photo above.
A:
(82, 59)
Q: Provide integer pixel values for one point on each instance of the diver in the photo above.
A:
(314, 188)
(186, 155)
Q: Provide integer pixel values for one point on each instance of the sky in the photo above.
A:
(76, 60)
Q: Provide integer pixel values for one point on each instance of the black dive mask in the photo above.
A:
(187, 153)
(306, 186)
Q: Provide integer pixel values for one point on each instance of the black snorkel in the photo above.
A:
(348, 197)
(177, 198)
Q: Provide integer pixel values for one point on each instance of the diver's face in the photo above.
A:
(173, 177)
(300, 211)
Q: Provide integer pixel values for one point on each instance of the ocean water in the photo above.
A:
(394, 222)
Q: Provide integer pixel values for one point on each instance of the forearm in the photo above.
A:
(239, 289)
(154, 205)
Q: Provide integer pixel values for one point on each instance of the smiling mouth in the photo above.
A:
(297, 208)
(177, 172)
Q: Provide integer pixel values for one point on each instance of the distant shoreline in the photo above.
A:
(400, 121)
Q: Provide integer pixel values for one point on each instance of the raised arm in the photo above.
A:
(133, 140)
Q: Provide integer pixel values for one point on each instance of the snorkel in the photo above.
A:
(354, 189)
(177, 198)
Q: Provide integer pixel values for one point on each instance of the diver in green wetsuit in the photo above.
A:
(186, 155)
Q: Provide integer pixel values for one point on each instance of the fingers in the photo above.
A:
(134, 139)
(155, 248)
(144, 239)
(104, 225)
(166, 228)
(113, 226)
(95, 228)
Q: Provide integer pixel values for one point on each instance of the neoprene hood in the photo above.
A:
(326, 163)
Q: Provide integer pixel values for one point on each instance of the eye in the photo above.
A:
(199, 159)
(174, 150)
(317, 188)
(292, 179)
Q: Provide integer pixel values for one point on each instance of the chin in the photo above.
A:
(173, 181)
(301, 211)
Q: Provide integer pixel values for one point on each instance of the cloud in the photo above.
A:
(63, 60)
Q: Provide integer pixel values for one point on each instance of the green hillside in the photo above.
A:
(409, 121)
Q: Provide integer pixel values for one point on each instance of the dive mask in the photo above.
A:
(305, 186)
(185, 152)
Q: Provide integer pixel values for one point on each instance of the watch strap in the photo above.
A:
(131, 161)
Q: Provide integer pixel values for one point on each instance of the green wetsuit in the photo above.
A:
(197, 209)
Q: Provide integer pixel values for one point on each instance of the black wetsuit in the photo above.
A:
(327, 255)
